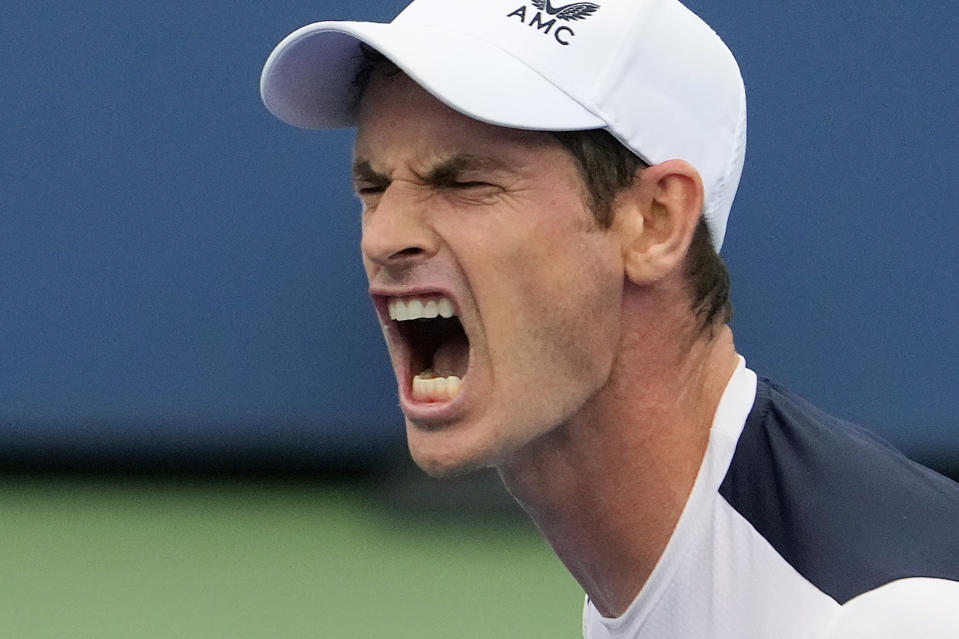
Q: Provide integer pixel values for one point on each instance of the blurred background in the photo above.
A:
(198, 428)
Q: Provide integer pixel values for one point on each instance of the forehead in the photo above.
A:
(397, 116)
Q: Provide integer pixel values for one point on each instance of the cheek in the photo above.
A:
(547, 284)
(555, 303)
(570, 271)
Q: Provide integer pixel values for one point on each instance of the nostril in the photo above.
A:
(412, 251)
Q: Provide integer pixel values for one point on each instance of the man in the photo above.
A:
(544, 193)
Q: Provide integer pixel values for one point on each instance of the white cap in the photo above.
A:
(650, 72)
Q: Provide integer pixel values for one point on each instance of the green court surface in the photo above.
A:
(139, 559)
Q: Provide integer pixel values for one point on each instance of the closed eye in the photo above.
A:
(467, 185)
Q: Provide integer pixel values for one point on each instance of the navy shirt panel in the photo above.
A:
(844, 508)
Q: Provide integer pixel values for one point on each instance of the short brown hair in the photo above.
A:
(607, 167)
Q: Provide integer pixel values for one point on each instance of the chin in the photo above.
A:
(470, 445)
(444, 465)
(450, 451)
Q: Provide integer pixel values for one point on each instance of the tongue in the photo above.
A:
(452, 357)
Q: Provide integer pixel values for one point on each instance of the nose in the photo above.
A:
(395, 233)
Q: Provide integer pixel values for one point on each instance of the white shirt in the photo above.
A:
(779, 536)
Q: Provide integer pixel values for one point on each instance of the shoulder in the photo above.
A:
(902, 609)
(846, 510)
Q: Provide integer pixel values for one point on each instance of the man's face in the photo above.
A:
(490, 224)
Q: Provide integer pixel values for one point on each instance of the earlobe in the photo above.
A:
(657, 217)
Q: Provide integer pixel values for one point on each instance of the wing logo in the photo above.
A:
(574, 11)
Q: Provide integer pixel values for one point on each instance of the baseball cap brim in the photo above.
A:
(309, 80)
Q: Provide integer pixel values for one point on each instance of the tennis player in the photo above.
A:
(544, 191)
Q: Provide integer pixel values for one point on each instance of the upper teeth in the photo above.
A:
(413, 308)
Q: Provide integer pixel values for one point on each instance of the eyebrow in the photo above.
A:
(442, 173)
(363, 172)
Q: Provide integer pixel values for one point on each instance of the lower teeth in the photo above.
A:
(429, 387)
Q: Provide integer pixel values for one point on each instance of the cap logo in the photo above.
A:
(545, 24)
(574, 11)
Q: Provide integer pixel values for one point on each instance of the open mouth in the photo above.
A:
(436, 344)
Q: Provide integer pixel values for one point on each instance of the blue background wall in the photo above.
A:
(178, 270)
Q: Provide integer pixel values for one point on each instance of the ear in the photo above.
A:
(657, 216)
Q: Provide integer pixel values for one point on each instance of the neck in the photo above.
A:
(608, 487)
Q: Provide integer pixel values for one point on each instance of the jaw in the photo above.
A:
(488, 431)
(511, 422)
(456, 449)
(486, 438)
